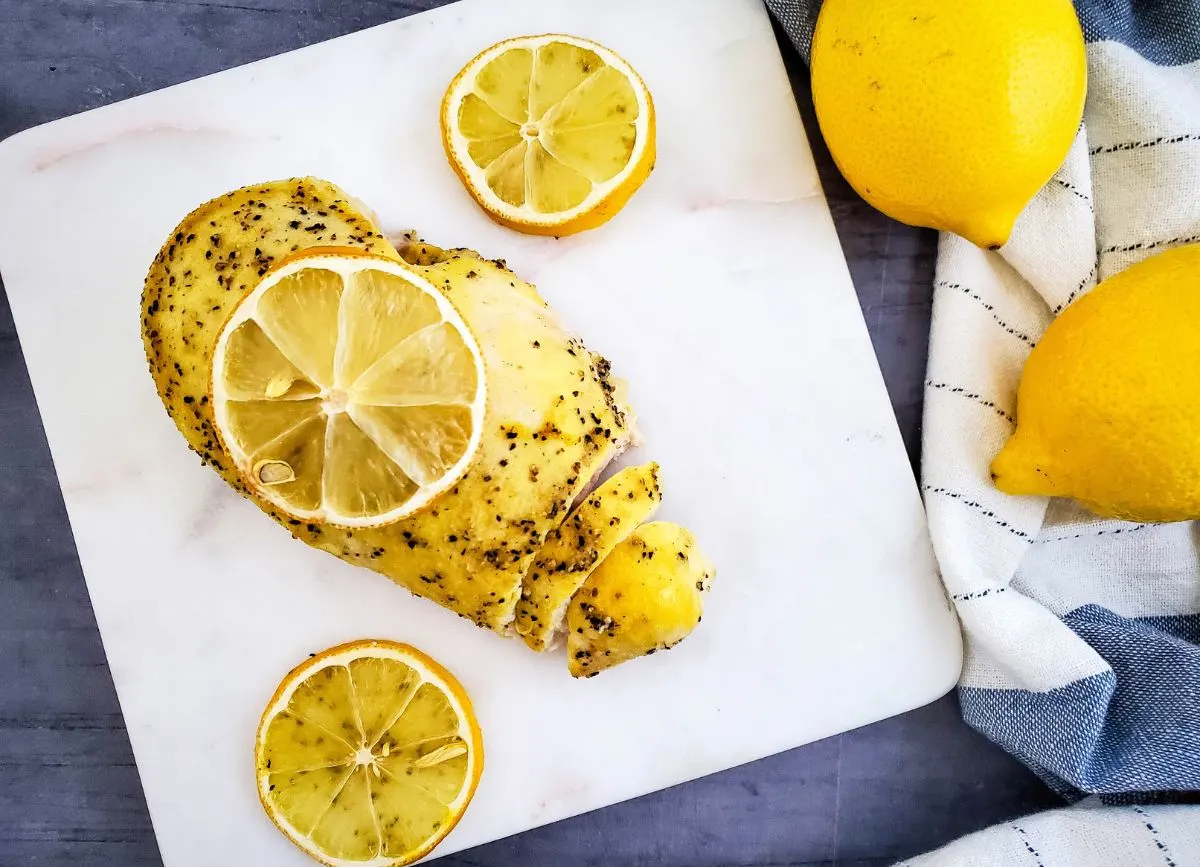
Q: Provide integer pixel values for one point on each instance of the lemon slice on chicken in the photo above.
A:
(550, 134)
(347, 390)
(368, 754)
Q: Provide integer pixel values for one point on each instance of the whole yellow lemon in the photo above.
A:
(949, 114)
(1108, 410)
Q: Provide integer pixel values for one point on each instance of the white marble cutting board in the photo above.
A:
(720, 292)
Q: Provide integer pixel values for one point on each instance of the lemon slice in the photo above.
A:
(550, 134)
(368, 754)
(347, 390)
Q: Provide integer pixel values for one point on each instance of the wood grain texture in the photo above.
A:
(69, 791)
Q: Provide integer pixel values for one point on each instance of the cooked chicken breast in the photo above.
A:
(555, 414)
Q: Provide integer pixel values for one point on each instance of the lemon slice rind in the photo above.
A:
(429, 673)
(605, 198)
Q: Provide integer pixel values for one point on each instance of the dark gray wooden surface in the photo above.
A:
(69, 790)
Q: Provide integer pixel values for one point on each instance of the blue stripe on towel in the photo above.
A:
(1128, 730)
(1166, 32)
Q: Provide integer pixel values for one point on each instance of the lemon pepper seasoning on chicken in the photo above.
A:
(601, 522)
(646, 596)
(554, 416)
(540, 450)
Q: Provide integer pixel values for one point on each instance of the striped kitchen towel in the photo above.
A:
(1082, 635)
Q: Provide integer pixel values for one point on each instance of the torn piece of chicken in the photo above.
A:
(646, 596)
(601, 522)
